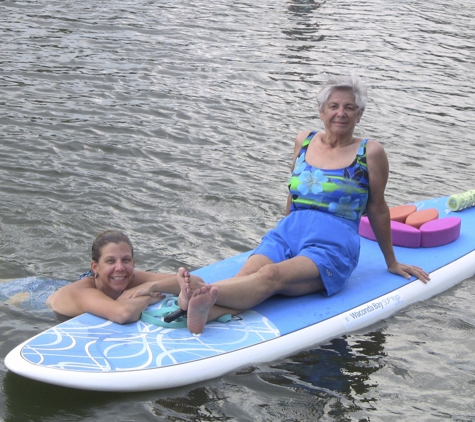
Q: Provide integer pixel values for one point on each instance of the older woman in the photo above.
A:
(335, 178)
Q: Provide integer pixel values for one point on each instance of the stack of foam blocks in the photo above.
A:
(413, 229)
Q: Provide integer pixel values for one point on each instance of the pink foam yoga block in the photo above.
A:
(440, 232)
(404, 235)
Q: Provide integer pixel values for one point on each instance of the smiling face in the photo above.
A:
(115, 268)
(340, 114)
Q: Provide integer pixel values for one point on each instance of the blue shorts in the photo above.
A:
(331, 242)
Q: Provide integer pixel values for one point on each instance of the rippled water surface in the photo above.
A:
(174, 121)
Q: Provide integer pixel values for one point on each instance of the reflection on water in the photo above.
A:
(339, 366)
(174, 121)
(305, 30)
(47, 402)
(311, 385)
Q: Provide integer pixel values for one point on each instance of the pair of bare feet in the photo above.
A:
(197, 302)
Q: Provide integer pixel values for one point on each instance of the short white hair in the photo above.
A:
(345, 83)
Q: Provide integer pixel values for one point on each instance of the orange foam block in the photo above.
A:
(418, 218)
(401, 212)
(440, 232)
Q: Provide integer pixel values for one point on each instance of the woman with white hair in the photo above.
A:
(335, 178)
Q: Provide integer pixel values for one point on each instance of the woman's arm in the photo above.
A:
(82, 296)
(148, 282)
(297, 147)
(378, 212)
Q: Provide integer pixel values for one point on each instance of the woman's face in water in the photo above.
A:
(115, 268)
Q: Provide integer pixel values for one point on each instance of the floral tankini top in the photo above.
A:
(342, 192)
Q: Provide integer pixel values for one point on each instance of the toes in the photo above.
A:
(213, 292)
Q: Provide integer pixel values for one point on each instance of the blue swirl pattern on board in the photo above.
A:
(91, 344)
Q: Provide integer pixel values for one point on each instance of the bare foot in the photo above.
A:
(196, 282)
(198, 307)
(183, 278)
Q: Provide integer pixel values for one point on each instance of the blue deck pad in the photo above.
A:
(90, 344)
(370, 280)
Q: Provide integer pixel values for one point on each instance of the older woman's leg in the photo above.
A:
(294, 277)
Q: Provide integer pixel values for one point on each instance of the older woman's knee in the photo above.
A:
(269, 274)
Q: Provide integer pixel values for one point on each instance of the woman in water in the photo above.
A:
(113, 272)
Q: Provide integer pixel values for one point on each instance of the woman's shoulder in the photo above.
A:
(304, 135)
(65, 300)
(83, 283)
(374, 147)
(376, 158)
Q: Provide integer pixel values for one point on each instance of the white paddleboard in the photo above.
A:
(91, 353)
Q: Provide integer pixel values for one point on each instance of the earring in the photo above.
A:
(96, 275)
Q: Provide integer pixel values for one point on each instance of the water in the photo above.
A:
(174, 121)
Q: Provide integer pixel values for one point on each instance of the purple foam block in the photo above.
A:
(404, 235)
(440, 232)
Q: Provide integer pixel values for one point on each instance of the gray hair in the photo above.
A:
(345, 83)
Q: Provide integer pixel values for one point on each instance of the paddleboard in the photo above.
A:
(91, 353)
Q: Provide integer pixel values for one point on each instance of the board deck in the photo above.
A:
(91, 353)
